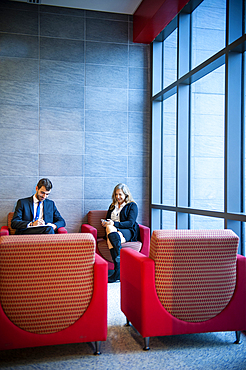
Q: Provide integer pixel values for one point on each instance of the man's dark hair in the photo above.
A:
(46, 183)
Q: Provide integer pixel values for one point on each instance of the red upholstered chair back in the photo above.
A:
(94, 219)
(46, 280)
(195, 271)
(10, 216)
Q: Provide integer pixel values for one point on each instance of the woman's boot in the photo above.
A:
(116, 243)
(116, 275)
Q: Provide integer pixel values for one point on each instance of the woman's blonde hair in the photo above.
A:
(125, 190)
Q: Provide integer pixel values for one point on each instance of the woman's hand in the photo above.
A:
(107, 222)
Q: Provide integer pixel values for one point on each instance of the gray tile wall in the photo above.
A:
(74, 107)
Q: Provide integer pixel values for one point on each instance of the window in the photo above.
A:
(208, 30)
(207, 141)
(198, 121)
(169, 151)
(198, 222)
(170, 59)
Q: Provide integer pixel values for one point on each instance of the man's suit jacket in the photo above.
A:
(24, 214)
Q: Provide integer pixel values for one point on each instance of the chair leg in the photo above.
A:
(146, 344)
(127, 322)
(238, 334)
(98, 347)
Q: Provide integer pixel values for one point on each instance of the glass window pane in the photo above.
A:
(244, 16)
(243, 240)
(169, 152)
(244, 208)
(157, 67)
(198, 222)
(208, 30)
(168, 220)
(170, 59)
(155, 219)
(207, 142)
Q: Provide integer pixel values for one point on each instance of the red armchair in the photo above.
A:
(7, 230)
(50, 289)
(95, 228)
(193, 282)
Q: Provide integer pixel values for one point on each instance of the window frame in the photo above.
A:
(233, 57)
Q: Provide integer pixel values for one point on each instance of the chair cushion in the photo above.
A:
(103, 248)
(46, 280)
(10, 216)
(195, 271)
(94, 219)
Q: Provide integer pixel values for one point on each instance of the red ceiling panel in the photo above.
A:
(152, 16)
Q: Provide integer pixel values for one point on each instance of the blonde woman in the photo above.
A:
(120, 225)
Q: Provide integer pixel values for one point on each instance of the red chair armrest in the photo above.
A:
(137, 277)
(62, 230)
(145, 239)
(98, 317)
(241, 277)
(4, 231)
(136, 268)
(85, 228)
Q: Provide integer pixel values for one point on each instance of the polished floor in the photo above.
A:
(123, 350)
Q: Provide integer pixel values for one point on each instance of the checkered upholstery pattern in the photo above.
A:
(46, 281)
(195, 271)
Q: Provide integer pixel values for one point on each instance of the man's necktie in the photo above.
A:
(38, 212)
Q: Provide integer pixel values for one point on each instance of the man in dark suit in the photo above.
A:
(37, 214)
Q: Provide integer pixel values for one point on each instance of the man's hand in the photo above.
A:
(42, 223)
(53, 225)
(38, 223)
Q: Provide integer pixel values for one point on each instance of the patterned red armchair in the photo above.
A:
(98, 231)
(7, 230)
(192, 282)
(50, 289)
